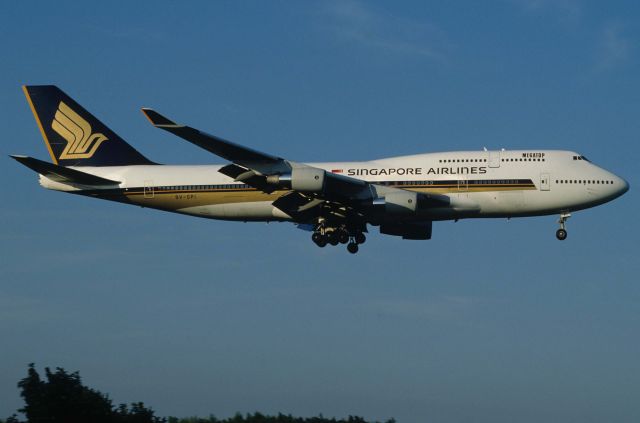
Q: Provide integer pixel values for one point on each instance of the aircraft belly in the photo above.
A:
(247, 211)
(244, 205)
(524, 203)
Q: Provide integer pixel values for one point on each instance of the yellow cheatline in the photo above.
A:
(35, 115)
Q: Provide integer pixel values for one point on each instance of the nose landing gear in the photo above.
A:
(561, 233)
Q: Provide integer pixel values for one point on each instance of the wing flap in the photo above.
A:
(296, 204)
(247, 176)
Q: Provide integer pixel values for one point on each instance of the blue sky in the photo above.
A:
(490, 321)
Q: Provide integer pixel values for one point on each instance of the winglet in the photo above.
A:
(157, 119)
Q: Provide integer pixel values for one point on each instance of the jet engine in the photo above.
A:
(302, 179)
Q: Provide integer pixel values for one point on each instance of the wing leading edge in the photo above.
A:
(228, 150)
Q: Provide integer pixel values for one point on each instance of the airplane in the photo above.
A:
(335, 201)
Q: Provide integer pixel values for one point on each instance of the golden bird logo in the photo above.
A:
(81, 142)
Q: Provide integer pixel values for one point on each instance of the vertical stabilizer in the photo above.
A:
(74, 136)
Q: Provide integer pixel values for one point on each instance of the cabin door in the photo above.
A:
(545, 183)
(494, 158)
(148, 189)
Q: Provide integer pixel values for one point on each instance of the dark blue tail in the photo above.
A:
(74, 136)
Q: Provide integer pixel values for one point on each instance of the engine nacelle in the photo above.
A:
(307, 179)
(303, 179)
(399, 203)
(408, 230)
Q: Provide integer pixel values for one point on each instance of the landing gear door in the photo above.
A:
(494, 158)
(545, 183)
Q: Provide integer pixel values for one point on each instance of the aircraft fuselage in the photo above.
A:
(481, 184)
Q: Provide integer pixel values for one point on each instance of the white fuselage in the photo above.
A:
(479, 183)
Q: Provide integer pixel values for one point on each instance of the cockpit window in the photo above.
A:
(581, 158)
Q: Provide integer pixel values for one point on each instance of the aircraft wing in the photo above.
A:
(231, 151)
(269, 173)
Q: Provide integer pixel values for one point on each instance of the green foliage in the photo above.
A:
(261, 418)
(63, 398)
(138, 413)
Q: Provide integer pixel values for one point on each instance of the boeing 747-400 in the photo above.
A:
(336, 201)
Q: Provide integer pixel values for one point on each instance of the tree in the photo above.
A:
(63, 398)
(137, 414)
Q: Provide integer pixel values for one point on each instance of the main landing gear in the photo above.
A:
(324, 235)
(561, 233)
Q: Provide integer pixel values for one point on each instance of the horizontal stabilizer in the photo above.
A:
(62, 174)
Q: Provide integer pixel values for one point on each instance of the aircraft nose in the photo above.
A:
(624, 185)
(620, 186)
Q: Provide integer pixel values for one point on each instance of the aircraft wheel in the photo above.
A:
(352, 247)
(319, 239)
(333, 238)
(360, 238)
(561, 234)
(343, 236)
